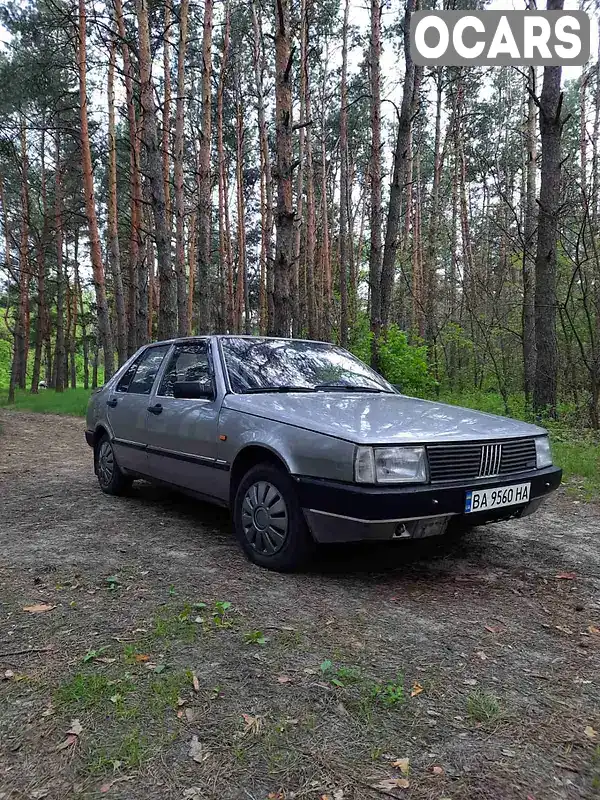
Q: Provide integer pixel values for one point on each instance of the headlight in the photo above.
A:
(390, 465)
(543, 454)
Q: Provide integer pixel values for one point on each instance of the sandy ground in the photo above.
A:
(477, 661)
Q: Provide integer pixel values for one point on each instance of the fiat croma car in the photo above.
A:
(306, 444)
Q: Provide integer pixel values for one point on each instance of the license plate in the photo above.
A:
(486, 499)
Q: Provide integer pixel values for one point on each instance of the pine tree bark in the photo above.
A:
(375, 177)
(284, 245)
(166, 112)
(104, 329)
(266, 185)
(135, 189)
(204, 199)
(167, 308)
(114, 250)
(183, 311)
(42, 317)
(529, 226)
(401, 179)
(241, 310)
(21, 349)
(344, 187)
(224, 242)
(546, 368)
(59, 350)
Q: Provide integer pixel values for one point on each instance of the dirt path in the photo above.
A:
(473, 660)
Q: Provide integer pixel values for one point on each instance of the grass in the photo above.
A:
(483, 707)
(72, 402)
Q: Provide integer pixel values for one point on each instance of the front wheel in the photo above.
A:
(269, 522)
(110, 476)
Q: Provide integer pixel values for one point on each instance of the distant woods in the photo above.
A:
(282, 167)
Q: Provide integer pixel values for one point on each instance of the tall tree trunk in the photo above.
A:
(204, 198)
(310, 235)
(21, 351)
(192, 228)
(401, 176)
(529, 225)
(241, 284)
(224, 242)
(59, 351)
(183, 311)
(327, 294)
(432, 238)
(284, 246)
(546, 368)
(42, 319)
(344, 187)
(104, 330)
(375, 176)
(114, 250)
(135, 189)
(166, 113)
(167, 309)
(299, 267)
(82, 323)
(266, 184)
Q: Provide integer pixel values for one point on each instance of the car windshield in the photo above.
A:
(280, 365)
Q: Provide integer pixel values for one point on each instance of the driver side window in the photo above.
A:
(189, 364)
(140, 376)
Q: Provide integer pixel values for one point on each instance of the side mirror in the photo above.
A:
(193, 390)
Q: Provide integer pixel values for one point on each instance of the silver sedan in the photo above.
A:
(306, 444)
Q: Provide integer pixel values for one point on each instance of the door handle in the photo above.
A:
(157, 409)
(112, 402)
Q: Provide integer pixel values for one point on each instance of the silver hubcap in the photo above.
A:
(106, 463)
(264, 517)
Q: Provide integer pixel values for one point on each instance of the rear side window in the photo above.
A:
(141, 375)
(188, 363)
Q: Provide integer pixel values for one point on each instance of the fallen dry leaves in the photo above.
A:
(106, 787)
(590, 733)
(252, 725)
(392, 783)
(197, 751)
(566, 576)
(72, 735)
(195, 682)
(39, 608)
(403, 764)
(416, 690)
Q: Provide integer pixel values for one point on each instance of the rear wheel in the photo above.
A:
(110, 477)
(269, 522)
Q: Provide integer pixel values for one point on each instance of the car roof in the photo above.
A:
(182, 339)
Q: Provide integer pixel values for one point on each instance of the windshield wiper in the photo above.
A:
(281, 389)
(348, 387)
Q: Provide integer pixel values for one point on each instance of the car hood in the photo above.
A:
(380, 418)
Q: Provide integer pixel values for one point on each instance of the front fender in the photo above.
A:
(303, 452)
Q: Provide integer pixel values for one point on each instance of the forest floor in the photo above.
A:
(452, 670)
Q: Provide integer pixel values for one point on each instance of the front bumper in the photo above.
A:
(341, 512)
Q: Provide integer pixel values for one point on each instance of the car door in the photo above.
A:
(182, 433)
(128, 408)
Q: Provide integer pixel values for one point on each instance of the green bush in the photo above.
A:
(401, 363)
(405, 364)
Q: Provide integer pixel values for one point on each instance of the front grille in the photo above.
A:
(449, 462)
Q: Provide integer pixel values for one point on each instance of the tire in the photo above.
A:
(110, 477)
(268, 521)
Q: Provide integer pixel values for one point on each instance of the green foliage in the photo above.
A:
(483, 707)
(390, 694)
(404, 363)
